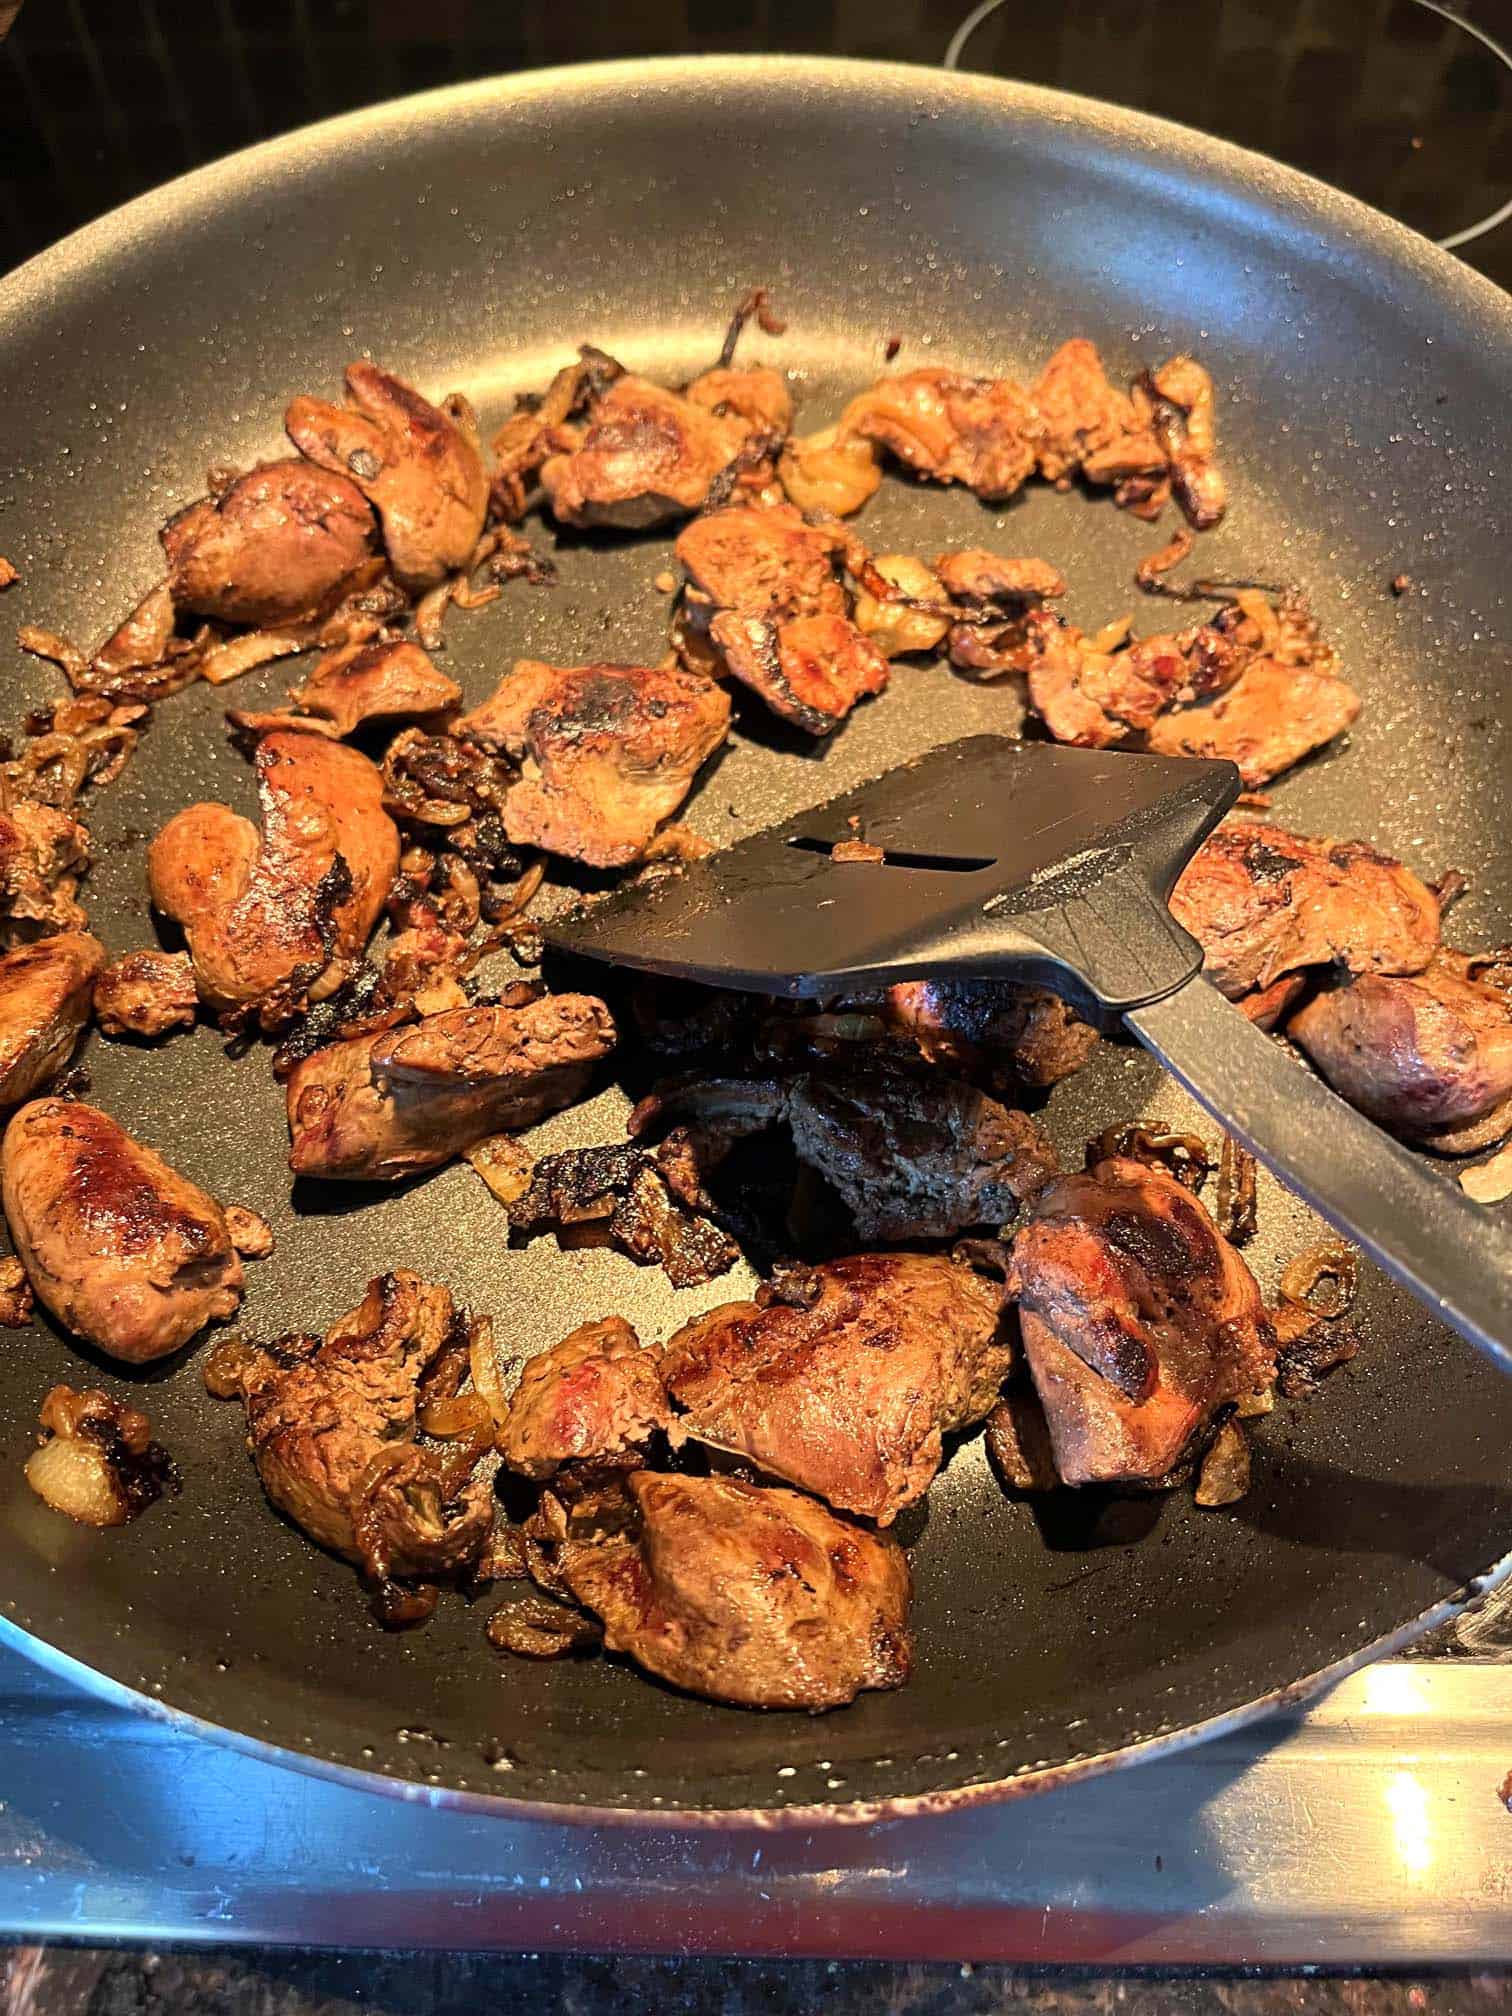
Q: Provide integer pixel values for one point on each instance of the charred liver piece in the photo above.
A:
(419, 465)
(1093, 698)
(45, 993)
(389, 679)
(849, 1393)
(1429, 1056)
(1024, 1033)
(386, 1106)
(125, 1252)
(279, 545)
(767, 600)
(757, 1597)
(1139, 1321)
(43, 854)
(607, 752)
(595, 1398)
(645, 455)
(332, 1426)
(281, 917)
(1264, 902)
(146, 994)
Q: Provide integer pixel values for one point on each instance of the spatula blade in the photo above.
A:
(1041, 863)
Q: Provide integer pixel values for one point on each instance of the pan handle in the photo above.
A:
(1454, 1255)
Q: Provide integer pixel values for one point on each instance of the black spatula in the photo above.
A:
(1053, 866)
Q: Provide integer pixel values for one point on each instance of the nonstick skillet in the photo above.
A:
(470, 238)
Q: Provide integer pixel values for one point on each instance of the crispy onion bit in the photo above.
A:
(1489, 1182)
(16, 1303)
(505, 1164)
(1236, 1213)
(1327, 1262)
(1185, 1156)
(483, 1363)
(1225, 1474)
(535, 1627)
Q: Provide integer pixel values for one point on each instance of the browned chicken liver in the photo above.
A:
(381, 1107)
(125, 1252)
(1023, 1033)
(1263, 902)
(389, 679)
(45, 993)
(1093, 698)
(597, 1398)
(983, 432)
(43, 853)
(766, 598)
(644, 456)
(757, 1597)
(913, 1154)
(607, 752)
(279, 545)
(419, 465)
(331, 1424)
(146, 994)
(1428, 1056)
(282, 916)
(1270, 718)
(1139, 1321)
(850, 1393)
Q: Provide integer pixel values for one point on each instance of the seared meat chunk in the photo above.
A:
(385, 1106)
(849, 1392)
(419, 465)
(1268, 719)
(279, 545)
(388, 679)
(1024, 1032)
(278, 918)
(607, 752)
(332, 1424)
(912, 1153)
(1428, 1056)
(644, 456)
(1263, 902)
(1089, 427)
(1181, 399)
(1139, 1321)
(125, 1252)
(146, 994)
(1093, 698)
(756, 1597)
(596, 1397)
(43, 853)
(755, 393)
(766, 596)
(980, 581)
(641, 1201)
(45, 991)
(983, 432)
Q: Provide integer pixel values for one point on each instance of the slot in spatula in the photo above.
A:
(1052, 866)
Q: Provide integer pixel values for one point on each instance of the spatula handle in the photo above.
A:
(1453, 1254)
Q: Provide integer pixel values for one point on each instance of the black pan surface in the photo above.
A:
(471, 238)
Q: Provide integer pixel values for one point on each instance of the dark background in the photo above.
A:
(101, 99)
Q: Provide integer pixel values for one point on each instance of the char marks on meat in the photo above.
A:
(419, 465)
(1092, 698)
(125, 1252)
(912, 1154)
(386, 679)
(1023, 1033)
(1264, 902)
(146, 994)
(332, 1427)
(757, 1597)
(1139, 1321)
(849, 1391)
(596, 1398)
(766, 596)
(1427, 1055)
(645, 455)
(382, 1107)
(642, 1202)
(45, 993)
(280, 918)
(279, 545)
(607, 752)
(983, 583)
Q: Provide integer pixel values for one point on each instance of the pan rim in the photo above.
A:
(1271, 189)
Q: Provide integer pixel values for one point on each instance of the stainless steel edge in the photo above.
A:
(1371, 1828)
(1413, 1220)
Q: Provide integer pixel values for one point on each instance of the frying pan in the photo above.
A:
(471, 238)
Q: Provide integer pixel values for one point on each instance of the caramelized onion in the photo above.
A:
(75, 1478)
(1328, 1261)
(483, 1363)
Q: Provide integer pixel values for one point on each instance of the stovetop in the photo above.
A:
(1374, 1826)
